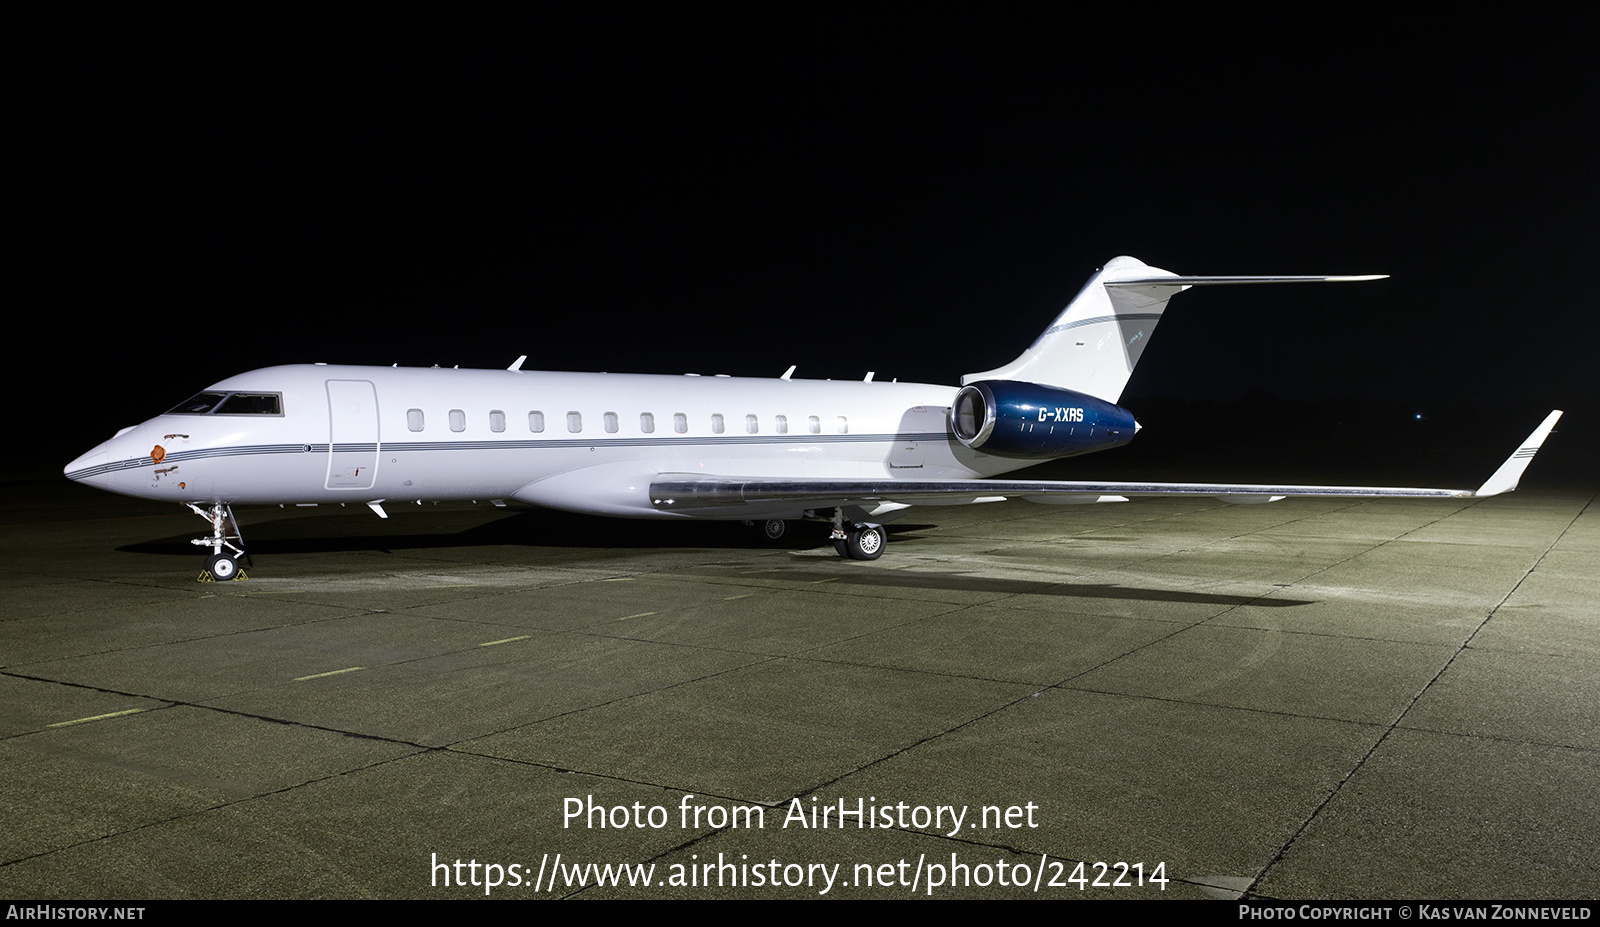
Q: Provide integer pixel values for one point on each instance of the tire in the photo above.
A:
(772, 530)
(222, 567)
(866, 542)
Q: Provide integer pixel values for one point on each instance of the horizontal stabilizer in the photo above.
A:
(1097, 340)
(1203, 281)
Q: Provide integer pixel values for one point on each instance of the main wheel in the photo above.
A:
(773, 529)
(866, 542)
(222, 567)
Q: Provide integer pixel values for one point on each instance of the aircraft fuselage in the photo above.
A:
(361, 434)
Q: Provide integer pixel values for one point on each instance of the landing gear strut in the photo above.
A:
(860, 541)
(220, 567)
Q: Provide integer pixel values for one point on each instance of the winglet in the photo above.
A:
(1505, 479)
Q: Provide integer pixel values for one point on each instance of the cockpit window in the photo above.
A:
(251, 404)
(198, 404)
(217, 403)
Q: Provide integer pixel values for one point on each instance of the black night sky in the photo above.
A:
(916, 192)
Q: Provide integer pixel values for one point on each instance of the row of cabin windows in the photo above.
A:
(647, 422)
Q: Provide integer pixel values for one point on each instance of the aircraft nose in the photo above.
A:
(100, 465)
(95, 468)
(81, 465)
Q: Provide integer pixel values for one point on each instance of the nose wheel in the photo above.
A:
(222, 567)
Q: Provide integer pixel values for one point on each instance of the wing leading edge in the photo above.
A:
(689, 494)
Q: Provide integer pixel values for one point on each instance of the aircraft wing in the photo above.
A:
(696, 494)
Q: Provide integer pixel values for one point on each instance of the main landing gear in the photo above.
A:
(772, 530)
(853, 540)
(220, 567)
(859, 541)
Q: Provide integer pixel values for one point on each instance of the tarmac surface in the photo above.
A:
(1313, 699)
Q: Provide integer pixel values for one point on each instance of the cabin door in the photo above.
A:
(352, 434)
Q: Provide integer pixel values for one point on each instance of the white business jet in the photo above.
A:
(765, 451)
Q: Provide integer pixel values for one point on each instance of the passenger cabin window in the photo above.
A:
(536, 422)
(680, 423)
(497, 421)
(574, 422)
(841, 425)
(611, 423)
(781, 423)
(458, 420)
(647, 423)
(814, 424)
(414, 419)
(752, 425)
(716, 423)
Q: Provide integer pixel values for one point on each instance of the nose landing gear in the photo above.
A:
(220, 567)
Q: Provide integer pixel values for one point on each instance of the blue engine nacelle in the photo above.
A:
(1009, 418)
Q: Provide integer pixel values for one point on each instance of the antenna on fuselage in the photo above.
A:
(517, 365)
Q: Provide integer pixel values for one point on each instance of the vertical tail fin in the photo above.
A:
(1094, 344)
